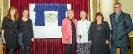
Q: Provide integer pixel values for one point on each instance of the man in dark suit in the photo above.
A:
(121, 24)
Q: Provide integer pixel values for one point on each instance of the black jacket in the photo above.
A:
(26, 28)
(10, 32)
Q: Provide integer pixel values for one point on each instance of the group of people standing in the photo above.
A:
(97, 37)
(87, 37)
(17, 30)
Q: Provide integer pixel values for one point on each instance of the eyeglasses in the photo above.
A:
(116, 7)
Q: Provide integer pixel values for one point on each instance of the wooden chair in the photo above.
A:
(1, 48)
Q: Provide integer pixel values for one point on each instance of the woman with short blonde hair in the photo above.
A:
(83, 46)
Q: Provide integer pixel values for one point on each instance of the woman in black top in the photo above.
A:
(25, 28)
(99, 35)
(9, 29)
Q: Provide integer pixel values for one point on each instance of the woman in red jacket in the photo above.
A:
(69, 26)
